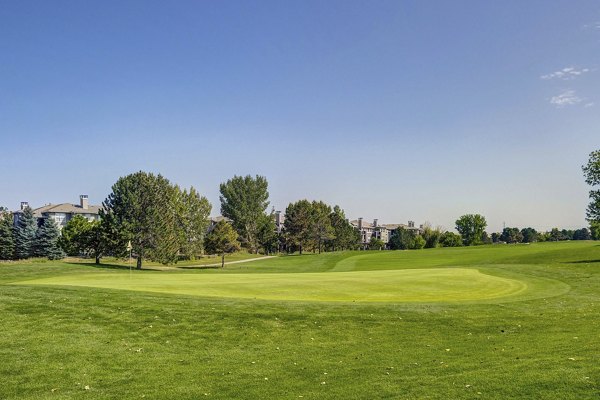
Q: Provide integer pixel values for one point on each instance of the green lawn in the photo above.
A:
(487, 322)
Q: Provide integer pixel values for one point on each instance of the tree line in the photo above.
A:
(155, 219)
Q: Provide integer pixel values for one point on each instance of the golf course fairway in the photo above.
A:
(412, 285)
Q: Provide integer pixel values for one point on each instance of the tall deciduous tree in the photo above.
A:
(320, 227)
(298, 223)
(143, 209)
(591, 172)
(46, 241)
(471, 228)
(222, 239)
(193, 220)
(346, 237)
(25, 234)
(244, 201)
(7, 240)
(267, 235)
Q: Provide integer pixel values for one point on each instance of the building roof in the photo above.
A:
(66, 208)
(390, 227)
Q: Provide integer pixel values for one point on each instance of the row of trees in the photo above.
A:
(162, 222)
(591, 173)
(28, 238)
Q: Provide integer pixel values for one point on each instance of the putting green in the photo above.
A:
(413, 285)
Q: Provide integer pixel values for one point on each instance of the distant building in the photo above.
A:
(62, 213)
(380, 231)
(215, 220)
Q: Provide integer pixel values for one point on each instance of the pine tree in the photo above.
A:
(24, 234)
(46, 241)
(7, 240)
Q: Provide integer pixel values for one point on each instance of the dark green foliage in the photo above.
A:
(406, 239)
(222, 239)
(511, 235)
(297, 224)
(555, 235)
(471, 228)
(244, 201)
(591, 172)
(143, 209)
(450, 239)
(24, 234)
(431, 235)
(72, 238)
(46, 241)
(321, 229)
(267, 235)
(7, 240)
(376, 244)
(193, 220)
(530, 235)
(582, 234)
(346, 237)
(595, 230)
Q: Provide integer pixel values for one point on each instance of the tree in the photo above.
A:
(7, 240)
(267, 234)
(376, 243)
(471, 228)
(244, 200)
(345, 235)
(582, 234)
(24, 234)
(223, 239)
(450, 239)
(404, 239)
(320, 227)
(595, 230)
(72, 238)
(418, 242)
(530, 235)
(431, 235)
(555, 235)
(143, 208)
(298, 223)
(511, 235)
(46, 241)
(591, 172)
(193, 220)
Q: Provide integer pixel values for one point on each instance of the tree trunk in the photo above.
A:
(300, 249)
(139, 262)
(97, 260)
(223, 260)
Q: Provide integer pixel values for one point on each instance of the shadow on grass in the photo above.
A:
(582, 262)
(109, 266)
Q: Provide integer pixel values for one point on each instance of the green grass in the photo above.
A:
(487, 322)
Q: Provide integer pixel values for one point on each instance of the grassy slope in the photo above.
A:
(131, 344)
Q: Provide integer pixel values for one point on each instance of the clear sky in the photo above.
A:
(397, 110)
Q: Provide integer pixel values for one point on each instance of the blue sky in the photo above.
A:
(395, 110)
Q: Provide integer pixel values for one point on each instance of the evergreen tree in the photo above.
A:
(46, 241)
(143, 209)
(24, 234)
(7, 241)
